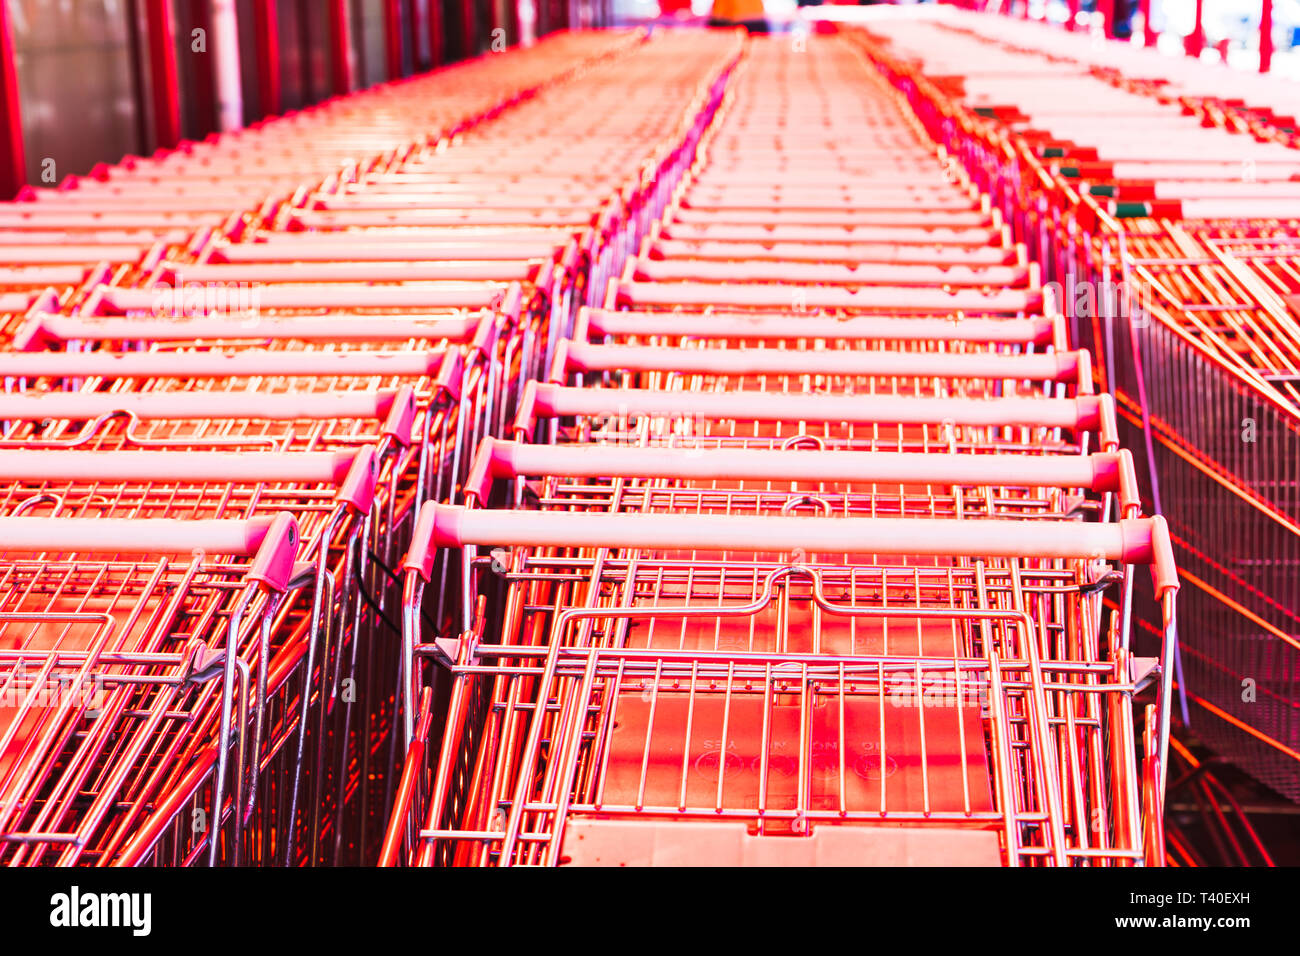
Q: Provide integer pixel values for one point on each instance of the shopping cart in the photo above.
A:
(133, 684)
(98, 454)
(1174, 200)
(785, 515)
(670, 610)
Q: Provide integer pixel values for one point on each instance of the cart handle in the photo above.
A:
(352, 473)
(1130, 541)
(292, 247)
(443, 295)
(571, 356)
(239, 363)
(45, 329)
(863, 273)
(1085, 413)
(625, 294)
(395, 408)
(343, 269)
(782, 325)
(44, 274)
(16, 301)
(977, 236)
(271, 542)
(1101, 472)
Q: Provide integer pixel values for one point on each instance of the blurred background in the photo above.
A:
(143, 74)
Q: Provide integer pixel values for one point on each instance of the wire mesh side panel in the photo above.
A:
(110, 711)
(1227, 460)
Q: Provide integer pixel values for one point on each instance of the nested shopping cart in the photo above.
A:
(332, 497)
(744, 483)
(794, 560)
(145, 686)
(196, 377)
(330, 458)
(1161, 219)
(495, 694)
(670, 678)
(446, 360)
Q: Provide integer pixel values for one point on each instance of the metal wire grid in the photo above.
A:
(445, 425)
(696, 641)
(169, 830)
(107, 697)
(1229, 295)
(557, 687)
(627, 427)
(1211, 359)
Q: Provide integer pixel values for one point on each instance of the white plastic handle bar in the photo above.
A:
(863, 273)
(900, 197)
(776, 296)
(107, 252)
(394, 407)
(284, 249)
(393, 219)
(16, 301)
(43, 274)
(422, 236)
(353, 473)
(452, 206)
(836, 235)
(1130, 541)
(1101, 472)
(852, 252)
(1086, 413)
(240, 363)
(783, 325)
(44, 329)
(340, 295)
(160, 303)
(496, 270)
(832, 218)
(573, 356)
(272, 541)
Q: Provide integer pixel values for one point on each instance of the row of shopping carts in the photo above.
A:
(1262, 104)
(214, 448)
(815, 543)
(1166, 230)
(113, 224)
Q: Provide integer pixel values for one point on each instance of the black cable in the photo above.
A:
(396, 579)
(370, 602)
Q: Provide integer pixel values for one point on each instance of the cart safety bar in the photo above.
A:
(290, 248)
(574, 356)
(1129, 541)
(220, 363)
(343, 270)
(864, 274)
(443, 295)
(396, 408)
(1085, 413)
(1102, 472)
(624, 294)
(787, 325)
(838, 235)
(353, 473)
(44, 329)
(272, 542)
